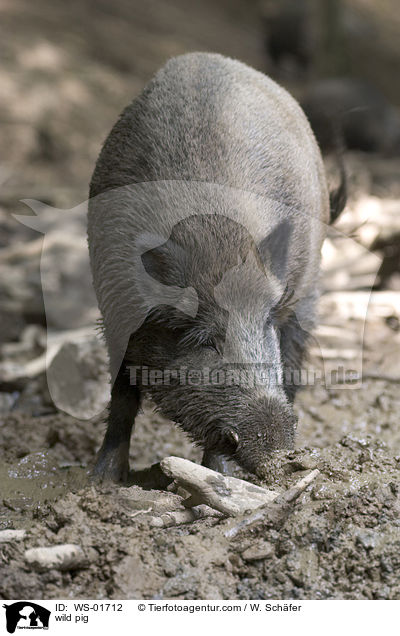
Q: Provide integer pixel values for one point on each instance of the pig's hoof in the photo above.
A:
(110, 466)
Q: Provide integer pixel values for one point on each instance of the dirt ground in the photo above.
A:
(341, 538)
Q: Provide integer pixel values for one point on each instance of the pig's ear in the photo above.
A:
(274, 249)
(166, 262)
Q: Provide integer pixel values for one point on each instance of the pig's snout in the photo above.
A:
(271, 428)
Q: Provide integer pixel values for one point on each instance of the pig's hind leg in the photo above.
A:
(112, 462)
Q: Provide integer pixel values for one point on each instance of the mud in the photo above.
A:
(340, 540)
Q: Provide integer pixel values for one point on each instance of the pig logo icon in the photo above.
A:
(26, 615)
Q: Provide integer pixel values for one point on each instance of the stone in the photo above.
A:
(7, 536)
(59, 557)
(258, 551)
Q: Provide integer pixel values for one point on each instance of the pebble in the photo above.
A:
(7, 536)
(367, 539)
(58, 557)
(258, 551)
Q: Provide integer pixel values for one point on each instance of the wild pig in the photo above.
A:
(208, 210)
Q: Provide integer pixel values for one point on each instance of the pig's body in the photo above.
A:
(230, 169)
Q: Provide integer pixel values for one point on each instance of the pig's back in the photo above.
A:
(204, 117)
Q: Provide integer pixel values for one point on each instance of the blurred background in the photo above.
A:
(68, 69)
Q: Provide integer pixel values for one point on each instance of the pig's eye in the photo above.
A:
(231, 439)
(211, 344)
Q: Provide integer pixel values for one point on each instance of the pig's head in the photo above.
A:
(222, 377)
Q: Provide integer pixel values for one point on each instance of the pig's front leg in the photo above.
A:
(217, 462)
(112, 462)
